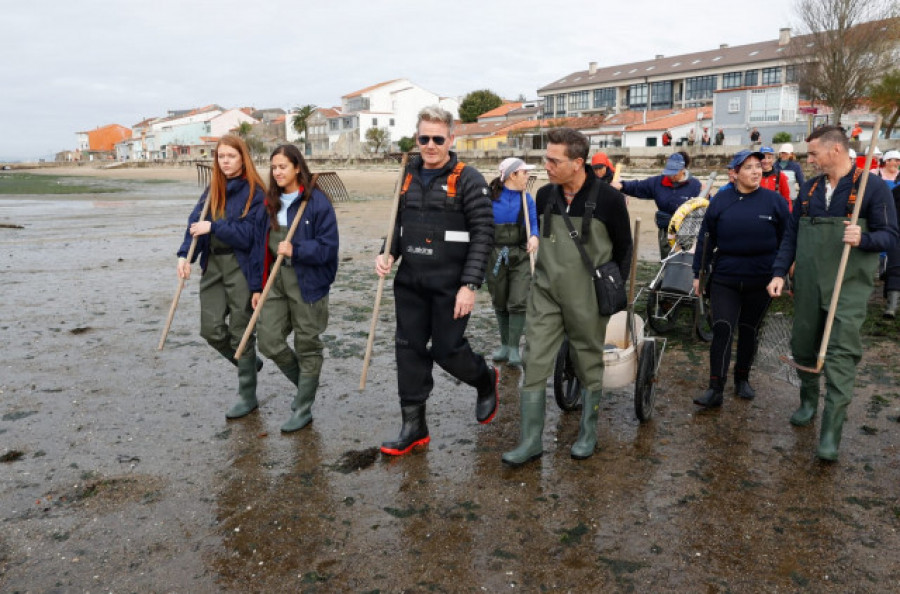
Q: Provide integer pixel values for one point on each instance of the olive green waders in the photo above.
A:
(508, 280)
(224, 295)
(284, 312)
(819, 248)
(562, 301)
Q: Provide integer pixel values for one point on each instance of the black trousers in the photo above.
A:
(736, 307)
(426, 313)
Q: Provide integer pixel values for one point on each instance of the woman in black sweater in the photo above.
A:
(745, 224)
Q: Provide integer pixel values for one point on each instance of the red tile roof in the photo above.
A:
(502, 110)
(675, 119)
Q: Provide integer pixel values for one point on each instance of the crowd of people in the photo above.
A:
(455, 232)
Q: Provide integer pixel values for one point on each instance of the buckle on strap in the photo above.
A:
(573, 233)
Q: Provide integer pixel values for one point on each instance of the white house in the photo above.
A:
(392, 105)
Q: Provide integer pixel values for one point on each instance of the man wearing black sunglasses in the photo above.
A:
(444, 233)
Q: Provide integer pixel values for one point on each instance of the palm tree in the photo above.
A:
(244, 129)
(299, 121)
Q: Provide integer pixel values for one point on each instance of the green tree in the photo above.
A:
(300, 119)
(244, 129)
(406, 144)
(781, 137)
(845, 45)
(885, 97)
(478, 102)
(377, 139)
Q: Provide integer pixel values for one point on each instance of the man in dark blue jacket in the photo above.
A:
(815, 239)
(670, 190)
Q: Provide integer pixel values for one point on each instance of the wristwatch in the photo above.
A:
(472, 286)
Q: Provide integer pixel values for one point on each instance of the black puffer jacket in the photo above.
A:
(472, 201)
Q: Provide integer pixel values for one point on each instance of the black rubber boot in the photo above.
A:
(488, 397)
(413, 432)
(710, 399)
(743, 389)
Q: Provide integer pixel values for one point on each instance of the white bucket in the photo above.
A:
(620, 363)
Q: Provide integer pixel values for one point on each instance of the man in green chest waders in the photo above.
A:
(814, 239)
(562, 300)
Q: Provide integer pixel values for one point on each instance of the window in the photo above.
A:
(561, 104)
(790, 74)
(637, 96)
(765, 105)
(699, 87)
(334, 125)
(732, 80)
(661, 95)
(348, 123)
(604, 98)
(578, 100)
(734, 105)
(374, 122)
(548, 105)
(391, 121)
(771, 76)
(751, 78)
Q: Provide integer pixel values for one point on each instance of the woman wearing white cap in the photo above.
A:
(787, 163)
(509, 270)
(890, 163)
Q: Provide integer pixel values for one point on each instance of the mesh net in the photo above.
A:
(775, 342)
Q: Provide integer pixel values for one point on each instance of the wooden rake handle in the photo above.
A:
(370, 342)
(531, 255)
(190, 256)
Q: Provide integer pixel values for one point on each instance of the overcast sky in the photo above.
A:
(75, 65)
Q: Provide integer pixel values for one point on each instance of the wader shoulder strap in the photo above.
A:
(589, 206)
(804, 205)
(574, 235)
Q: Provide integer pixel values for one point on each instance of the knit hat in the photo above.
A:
(601, 159)
(510, 165)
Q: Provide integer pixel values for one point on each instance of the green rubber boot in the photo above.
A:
(587, 430)
(247, 403)
(502, 354)
(833, 416)
(302, 405)
(809, 399)
(516, 328)
(533, 406)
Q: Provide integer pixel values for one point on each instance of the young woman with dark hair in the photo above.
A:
(509, 268)
(230, 274)
(298, 299)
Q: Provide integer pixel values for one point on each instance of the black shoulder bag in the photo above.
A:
(608, 283)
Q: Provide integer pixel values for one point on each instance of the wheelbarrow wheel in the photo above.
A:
(662, 312)
(703, 323)
(566, 385)
(645, 382)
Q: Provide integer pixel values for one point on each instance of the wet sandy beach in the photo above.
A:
(120, 472)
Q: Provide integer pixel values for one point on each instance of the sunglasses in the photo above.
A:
(424, 139)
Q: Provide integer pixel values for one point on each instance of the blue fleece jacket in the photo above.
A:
(668, 196)
(508, 206)
(745, 231)
(235, 229)
(315, 246)
(877, 209)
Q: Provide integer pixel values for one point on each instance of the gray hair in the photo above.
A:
(436, 113)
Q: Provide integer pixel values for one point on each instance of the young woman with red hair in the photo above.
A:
(229, 274)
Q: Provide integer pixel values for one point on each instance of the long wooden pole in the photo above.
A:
(842, 267)
(387, 251)
(527, 228)
(307, 193)
(174, 306)
(629, 326)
